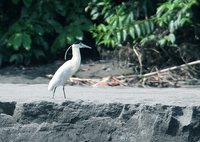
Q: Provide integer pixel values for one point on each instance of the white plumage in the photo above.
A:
(68, 69)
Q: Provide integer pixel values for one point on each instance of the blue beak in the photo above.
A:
(84, 46)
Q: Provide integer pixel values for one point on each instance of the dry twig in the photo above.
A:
(172, 68)
(139, 56)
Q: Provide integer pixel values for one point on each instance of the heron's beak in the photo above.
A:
(84, 46)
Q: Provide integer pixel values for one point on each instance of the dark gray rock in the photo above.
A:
(7, 107)
(89, 122)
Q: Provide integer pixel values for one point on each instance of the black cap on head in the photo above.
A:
(77, 42)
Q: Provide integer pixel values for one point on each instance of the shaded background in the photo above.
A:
(165, 33)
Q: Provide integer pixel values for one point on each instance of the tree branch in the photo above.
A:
(172, 68)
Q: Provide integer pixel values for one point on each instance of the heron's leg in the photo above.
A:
(64, 92)
(54, 92)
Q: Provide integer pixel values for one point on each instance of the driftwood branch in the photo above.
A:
(84, 79)
(122, 80)
(172, 68)
(139, 56)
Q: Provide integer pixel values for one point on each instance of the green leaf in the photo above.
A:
(15, 28)
(148, 39)
(95, 16)
(56, 25)
(132, 32)
(183, 21)
(102, 27)
(124, 34)
(147, 27)
(131, 16)
(171, 27)
(60, 41)
(162, 42)
(26, 41)
(121, 21)
(119, 36)
(114, 24)
(14, 58)
(171, 38)
(137, 29)
(60, 8)
(16, 40)
(160, 10)
(38, 53)
(27, 3)
(151, 25)
(15, 1)
(126, 20)
(17, 58)
(143, 30)
(44, 43)
(39, 30)
(93, 11)
(100, 3)
(112, 43)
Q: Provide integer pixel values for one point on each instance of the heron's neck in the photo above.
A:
(76, 54)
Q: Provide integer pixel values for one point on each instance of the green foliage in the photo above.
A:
(18, 40)
(171, 16)
(140, 21)
(122, 22)
(34, 30)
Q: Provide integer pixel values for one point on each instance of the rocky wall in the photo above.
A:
(82, 121)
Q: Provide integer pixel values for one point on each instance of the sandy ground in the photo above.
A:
(30, 84)
(42, 74)
(39, 74)
(151, 96)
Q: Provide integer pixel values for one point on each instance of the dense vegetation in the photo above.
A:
(161, 31)
(36, 30)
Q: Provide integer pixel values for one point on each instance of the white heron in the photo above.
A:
(68, 69)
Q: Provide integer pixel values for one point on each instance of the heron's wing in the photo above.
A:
(61, 75)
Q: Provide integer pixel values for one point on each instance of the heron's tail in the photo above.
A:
(51, 86)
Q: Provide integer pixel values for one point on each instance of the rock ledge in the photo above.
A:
(81, 121)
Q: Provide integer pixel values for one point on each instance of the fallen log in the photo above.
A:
(171, 68)
(84, 79)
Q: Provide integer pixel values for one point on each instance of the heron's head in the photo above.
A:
(78, 45)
